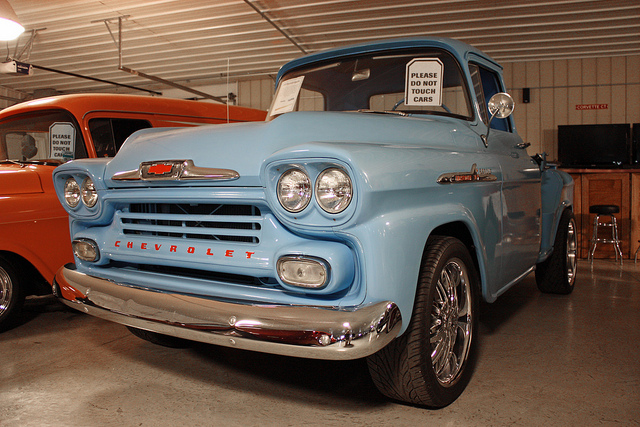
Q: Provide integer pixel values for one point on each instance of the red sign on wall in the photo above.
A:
(592, 106)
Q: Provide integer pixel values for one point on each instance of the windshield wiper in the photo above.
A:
(395, 113)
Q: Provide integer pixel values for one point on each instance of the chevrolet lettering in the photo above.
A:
(179, 249)
(356, 221)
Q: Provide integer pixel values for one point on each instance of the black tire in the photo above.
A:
(412, 369)
(557, 274)
(11, 294)
(159, 339)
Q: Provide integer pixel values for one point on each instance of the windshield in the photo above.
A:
(39, 136)
(416, 82)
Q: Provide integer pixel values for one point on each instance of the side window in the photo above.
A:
(109, 134)
(486, 84)
(41, 135)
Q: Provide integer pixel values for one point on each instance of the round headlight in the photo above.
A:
(334, 190)
(294, 190)
(71, 192)
(89, 193)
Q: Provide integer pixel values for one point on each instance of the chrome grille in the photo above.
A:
(222, 222)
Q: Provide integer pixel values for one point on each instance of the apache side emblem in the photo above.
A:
(461, 177)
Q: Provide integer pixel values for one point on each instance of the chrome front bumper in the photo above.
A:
(303, 331)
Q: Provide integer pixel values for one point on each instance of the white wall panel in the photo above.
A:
(558, 86)
(256, 93)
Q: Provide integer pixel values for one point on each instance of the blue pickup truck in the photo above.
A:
(386, 193)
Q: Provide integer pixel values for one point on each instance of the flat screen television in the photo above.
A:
(635, 144)
(597, 146)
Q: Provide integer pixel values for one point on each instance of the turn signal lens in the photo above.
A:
(294, 190)
(71, 192)
(86, 250)
(303, 272)
(89, 193)
(334, 190)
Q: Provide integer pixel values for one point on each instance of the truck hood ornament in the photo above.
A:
(175, 170)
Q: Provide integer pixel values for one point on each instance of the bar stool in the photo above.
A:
(610, 210)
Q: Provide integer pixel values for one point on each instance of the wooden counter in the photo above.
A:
(607, 187)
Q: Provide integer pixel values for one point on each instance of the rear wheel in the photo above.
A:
(11, 293)
(557, 274)
(432, 362)
(159, 339)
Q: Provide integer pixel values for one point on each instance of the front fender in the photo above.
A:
(392, 245)
(44, 243)
(398, 204)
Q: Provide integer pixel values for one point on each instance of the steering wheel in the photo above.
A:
(397, 104)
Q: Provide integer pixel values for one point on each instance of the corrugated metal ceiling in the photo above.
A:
(197, 42)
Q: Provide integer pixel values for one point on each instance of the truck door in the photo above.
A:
(521, 187)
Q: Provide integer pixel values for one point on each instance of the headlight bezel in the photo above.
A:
(69, 187)
(313, 214)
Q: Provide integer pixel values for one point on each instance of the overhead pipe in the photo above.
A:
(169, 83)
(29, 45)
(148, 76)
(67, 73)
(274, 25)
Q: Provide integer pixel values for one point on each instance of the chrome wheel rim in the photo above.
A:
(572, 252)
(5, 290)
(451, 322)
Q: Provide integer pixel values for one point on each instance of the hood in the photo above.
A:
(245, 147)
(18, 179)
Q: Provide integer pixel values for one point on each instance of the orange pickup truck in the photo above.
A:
(37, 136)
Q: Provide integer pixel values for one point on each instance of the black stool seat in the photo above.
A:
(612, 224)
(604, 209)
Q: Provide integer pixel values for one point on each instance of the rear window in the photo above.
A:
(109, 134)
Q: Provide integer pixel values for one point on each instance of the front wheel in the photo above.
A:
(557, 274)
(432, 362)
(11, 294)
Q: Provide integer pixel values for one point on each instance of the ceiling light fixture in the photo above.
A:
(10, 28)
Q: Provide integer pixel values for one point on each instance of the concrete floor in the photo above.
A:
(545, 361)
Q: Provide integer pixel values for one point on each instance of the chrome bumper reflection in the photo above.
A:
(302, 331)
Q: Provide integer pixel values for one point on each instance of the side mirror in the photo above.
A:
(501, 105)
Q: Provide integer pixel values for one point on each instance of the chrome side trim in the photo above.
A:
(174, 170)
(474, 175)
(315, 332)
